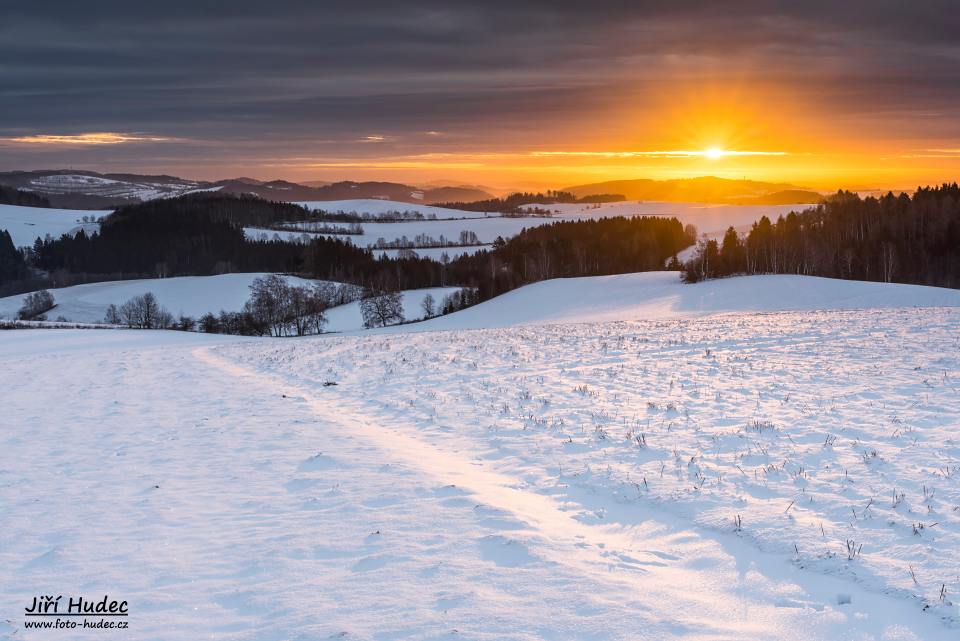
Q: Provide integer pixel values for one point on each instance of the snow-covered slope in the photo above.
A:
(197, 295)
(347, 318)
(111, 188)
(709, 219)
(656, 295)
(26, 224)
(189, 295)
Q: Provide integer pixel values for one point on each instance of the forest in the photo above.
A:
(614, 245)
(893, 239)
(202, 234)
(11, 196)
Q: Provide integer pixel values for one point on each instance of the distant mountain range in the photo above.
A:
(76, 189)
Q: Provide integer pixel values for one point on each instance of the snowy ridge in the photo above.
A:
(661, 295)
(110, 188)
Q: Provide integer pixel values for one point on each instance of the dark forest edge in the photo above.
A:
(892, 239)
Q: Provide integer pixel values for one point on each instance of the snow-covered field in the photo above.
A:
(619, 458)
(347, 318)
(376, 206)
(26, 224)
(712, 220)
(189, 295)
(196, 295)
(709, 219)
(661, 295)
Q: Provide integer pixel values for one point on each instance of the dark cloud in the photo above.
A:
(244, 70)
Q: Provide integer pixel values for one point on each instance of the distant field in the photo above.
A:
(26, 224)
(710, 219)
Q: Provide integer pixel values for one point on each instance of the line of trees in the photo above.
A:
(889, 239)
(466, 238)
(512, 204)
(11, 196)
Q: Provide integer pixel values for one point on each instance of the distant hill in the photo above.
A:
(350, 190)
(78, 189)
(707, 189)
(784, 197)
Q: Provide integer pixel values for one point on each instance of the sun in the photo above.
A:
(714, 152)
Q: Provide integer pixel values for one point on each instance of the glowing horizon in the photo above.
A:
(841, 99)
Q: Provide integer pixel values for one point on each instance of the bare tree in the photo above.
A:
(36, 305)
(381, 308)
(112, 317)
(143, 312)
(269, 303)
(429, 306)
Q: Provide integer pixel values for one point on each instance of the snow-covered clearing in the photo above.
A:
(26, 224)
(575, 480)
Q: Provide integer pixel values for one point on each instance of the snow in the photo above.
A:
(570, 469)
(347, 318)
(26, 224)
(195, 296)
(110, 188)
(708, 218)
(711, 220)
(189, 295)
(377, 206)
(487, 230)
(661, 295)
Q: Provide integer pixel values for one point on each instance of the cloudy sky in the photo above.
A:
(827, 94)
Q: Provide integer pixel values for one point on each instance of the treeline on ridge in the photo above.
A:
(604, 246)
(11, 196)
(202, 234)
(511, 204)
(899, 239)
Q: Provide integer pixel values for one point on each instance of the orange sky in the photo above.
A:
(858, 94)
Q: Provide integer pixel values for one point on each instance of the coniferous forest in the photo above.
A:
(899, 239)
